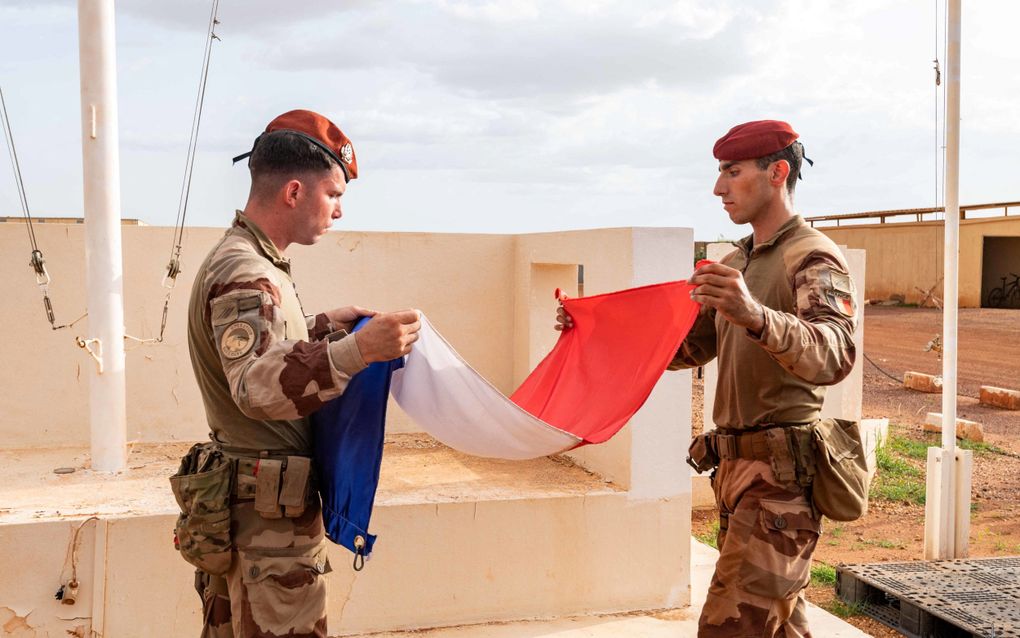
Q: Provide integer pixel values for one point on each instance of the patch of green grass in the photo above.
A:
(844, 610)
(980, 449)
(897, 480)
(710, 537)
(891, 463)
(883, 543)
(823, 575)
(915, 449)
(910, 448)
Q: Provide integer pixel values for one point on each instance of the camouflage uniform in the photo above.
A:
(262, 366)
(768, 528)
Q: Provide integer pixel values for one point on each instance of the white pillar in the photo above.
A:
(943, 538)
(104, 268)
(951, 294)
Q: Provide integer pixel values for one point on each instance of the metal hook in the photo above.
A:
(97, 354)
(359, 553)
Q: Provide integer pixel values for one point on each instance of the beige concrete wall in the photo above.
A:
(460, 281)
(606, 256)
(490, 295)
(438, 564)
(902, 256)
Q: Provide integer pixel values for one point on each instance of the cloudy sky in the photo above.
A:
(521, 116)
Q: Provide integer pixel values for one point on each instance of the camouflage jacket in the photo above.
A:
(262, 366)
(801, 278)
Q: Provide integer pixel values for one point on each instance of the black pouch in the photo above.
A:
(202, 487)
(702, 455)
(841, 482)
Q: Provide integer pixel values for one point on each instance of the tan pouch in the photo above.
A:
(841, 482)
(267, 488)
(294, 491)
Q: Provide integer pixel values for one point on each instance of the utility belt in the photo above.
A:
(211, 477)
(825, 458)
(788, 448)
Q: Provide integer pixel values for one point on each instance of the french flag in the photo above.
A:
(597, 376)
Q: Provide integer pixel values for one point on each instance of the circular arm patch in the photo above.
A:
(237, 340)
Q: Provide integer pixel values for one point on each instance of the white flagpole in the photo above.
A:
(104, 266)
(948, 511)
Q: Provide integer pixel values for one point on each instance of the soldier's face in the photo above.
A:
(744, 190)
(319, 205)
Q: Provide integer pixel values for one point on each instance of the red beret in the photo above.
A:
(319, 131)
(753, 140)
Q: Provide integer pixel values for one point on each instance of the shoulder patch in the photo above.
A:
(238, 340)
(838, 292)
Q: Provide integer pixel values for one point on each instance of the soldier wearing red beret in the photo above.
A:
(779, 313)
(251, 519)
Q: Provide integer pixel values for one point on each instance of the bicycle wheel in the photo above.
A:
(1014, 298)
(996, 298)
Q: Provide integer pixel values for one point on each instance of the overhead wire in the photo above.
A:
(173, 268)
(37, 261)
(13, 153)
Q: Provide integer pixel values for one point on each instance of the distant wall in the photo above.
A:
(903, 256)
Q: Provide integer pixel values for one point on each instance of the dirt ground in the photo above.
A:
(893, 529)
(989, 354)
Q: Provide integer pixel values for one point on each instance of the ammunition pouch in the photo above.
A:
(281, 485)
(202, 487)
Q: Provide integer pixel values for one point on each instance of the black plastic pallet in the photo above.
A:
(977, 598)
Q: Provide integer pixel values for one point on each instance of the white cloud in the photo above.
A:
(522, 115)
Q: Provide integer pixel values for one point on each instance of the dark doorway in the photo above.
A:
(1000, 273)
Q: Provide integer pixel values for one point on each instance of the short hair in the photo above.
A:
(794, 155)
(285, 154)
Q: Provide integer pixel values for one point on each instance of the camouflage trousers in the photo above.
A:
(767, 534)
(275, 585)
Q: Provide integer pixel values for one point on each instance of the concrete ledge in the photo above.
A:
(1000, 397)
(970, 430)
(461, 540)
(922, 382)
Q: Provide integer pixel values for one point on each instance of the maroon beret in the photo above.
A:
(753, 140)
(319, 131)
